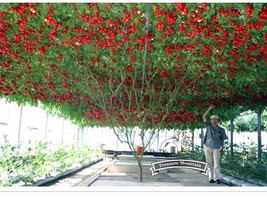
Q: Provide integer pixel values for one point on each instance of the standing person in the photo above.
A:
(213, 145)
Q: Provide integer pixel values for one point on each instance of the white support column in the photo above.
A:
(20, 124)
(62, 135)
(46, 126)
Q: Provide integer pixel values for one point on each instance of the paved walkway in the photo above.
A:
(124, 172)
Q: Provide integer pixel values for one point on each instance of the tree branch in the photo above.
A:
(148, 11)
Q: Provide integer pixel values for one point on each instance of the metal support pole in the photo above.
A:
(259, 132)
(20, 123)
(46, 124)
(202, 137)
(193, 137)
(158, 142)
(62, 136)
(232, 136)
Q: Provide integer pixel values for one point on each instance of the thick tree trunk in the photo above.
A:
(139, 160)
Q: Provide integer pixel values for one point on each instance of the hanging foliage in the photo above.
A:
(123, 63)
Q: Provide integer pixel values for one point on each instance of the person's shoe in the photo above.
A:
(218, 182)
(211, 181)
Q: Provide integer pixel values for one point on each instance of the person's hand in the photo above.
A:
(211, 107)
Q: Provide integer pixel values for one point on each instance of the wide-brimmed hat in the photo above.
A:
(214, 117)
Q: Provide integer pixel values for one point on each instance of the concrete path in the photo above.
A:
(124, 172)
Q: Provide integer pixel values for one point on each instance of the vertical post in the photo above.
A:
(158, 142)
(232, 136)
(117, 145)
(46, 124)
(193, 137)
(78, 135)
(87, 133)
(109, 138)
(82, 134)
(20, 123)
(62, 135)
(202, 137)
(259, 132)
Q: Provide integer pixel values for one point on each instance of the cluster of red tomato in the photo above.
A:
(207, 49)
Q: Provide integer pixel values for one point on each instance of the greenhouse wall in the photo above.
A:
(25, 125)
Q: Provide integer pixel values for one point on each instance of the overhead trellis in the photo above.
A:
(126, 63)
